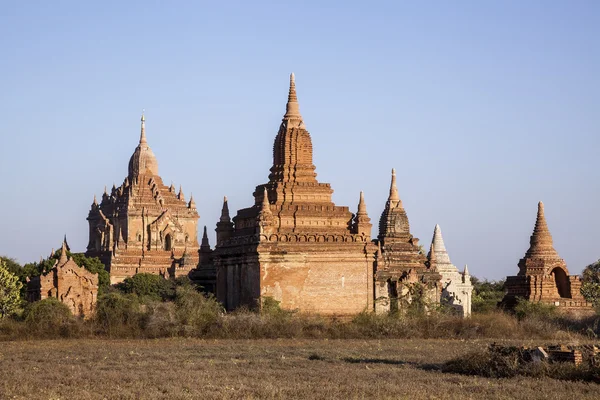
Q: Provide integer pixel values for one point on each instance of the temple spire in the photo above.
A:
(394, 197)
(541, 243)
(192, 203)
(181, 196)
(63, 251)
(143, 129)
(441, 254)
(225, 211)
(266, 207)
(205, 243)
(292, 108)
(362, 206)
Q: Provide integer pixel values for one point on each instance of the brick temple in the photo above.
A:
(144, 225)
(543, 276)
(66, 281)
(294, 244)
(401, 267)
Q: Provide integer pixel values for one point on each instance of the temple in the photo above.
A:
(456, 286)
(143, 225)
(71, 284)
(543, 276)
(403, 272)
(294, 245)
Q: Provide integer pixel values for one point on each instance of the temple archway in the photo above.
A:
(561, 281)
(393, 294)
(168, 242)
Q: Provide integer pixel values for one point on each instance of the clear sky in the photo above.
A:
(483, 107)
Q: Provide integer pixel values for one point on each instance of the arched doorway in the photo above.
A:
(562, 282)
(393, 295)
(168, 242)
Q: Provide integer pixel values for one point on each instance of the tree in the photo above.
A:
(590, 288)
(486, 294)
(10, 289)
(149, 286)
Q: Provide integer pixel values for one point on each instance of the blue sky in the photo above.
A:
(484, 108)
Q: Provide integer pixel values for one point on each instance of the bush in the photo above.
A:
(50, 318)
(486, 295)
(195, 312)
(149, 286)
(540, 311)
(510, 363)
(119, 315)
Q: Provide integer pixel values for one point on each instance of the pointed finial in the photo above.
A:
(438, 240)
(205, 238)
(466, 271)
(292, 107)
(63, 251)
(225, 211)
(143, 129)
(181, 196)
(95, 203)
(172, 188)
(431, 252)
(105, 192)
(394, 189)
(192, 203)
(265, 202)
(362, 206)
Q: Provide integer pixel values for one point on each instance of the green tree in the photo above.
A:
(590, 288)
(149, 286)
(486, 294)
(10, 289)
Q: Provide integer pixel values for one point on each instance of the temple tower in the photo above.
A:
(456, 286)
(143, 225)
(294, 244)
(402, 264)
(543, 276)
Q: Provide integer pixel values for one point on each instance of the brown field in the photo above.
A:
(248, 369)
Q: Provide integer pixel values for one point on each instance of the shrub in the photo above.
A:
(510, 363)
(195, 312)
(540, 311)
(119, 314)
(50, 318)
(150, 286)
(486, 295)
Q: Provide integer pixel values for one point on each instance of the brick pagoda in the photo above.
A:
(143, 225)
(71, 284)
(543, 276)
(401, 267)
(294, 244)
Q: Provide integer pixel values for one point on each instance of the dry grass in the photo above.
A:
(247, 369)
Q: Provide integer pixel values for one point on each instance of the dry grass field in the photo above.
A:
(249, 369)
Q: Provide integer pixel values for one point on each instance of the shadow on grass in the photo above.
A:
(425, 367)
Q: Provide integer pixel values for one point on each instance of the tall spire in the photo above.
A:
(143, 129)
(224, 226)
(441, 254)
(266, 206)
(63, 251)
(362, 222)
(394, 197)
(225, 211)
(541, 243)
(362, 206)
(181, 196)
(292, 108)
(205, 243)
